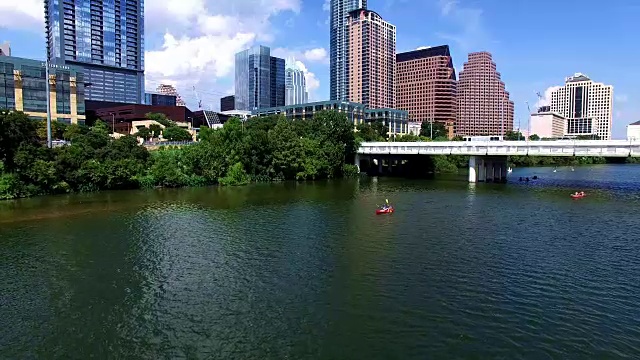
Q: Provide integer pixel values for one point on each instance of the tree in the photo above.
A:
(367, 133)
(439, 130)
(534, 137)
(235, 176)
(175, 133)
(513, 136)
(144, 133)
(155, 130)
(161, 119)
(588, 137)
(15, 129)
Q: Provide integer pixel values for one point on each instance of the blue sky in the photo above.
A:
(535, 44)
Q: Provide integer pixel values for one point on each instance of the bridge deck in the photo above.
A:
(604, 148)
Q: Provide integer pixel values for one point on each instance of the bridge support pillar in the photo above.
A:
(472, 169)
(357, 162)
(489, 171)
(503, 171)
(379, 166)
(482, 170)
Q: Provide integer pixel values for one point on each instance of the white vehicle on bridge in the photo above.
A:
(483, 138)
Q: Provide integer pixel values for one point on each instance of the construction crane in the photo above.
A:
(206, 117)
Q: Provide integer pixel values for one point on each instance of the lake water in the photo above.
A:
(307, 271)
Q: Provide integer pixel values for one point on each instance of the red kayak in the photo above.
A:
(579, 196)
(384, 211)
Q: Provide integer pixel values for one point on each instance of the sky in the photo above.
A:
(536, 45)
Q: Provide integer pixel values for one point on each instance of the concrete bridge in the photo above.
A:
(488, 159)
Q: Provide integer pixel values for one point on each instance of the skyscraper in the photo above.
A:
(170, 90)
(371, 60)
(484, 107)
(426, 84)
(259, 79)
(228, 103)
(339, 45)
(5, 49)
(587, 106)
(277, 87)
(295, 86)
(105, 38)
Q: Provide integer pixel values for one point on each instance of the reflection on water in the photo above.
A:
(308, 271)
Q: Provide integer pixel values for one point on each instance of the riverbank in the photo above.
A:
(260, 150)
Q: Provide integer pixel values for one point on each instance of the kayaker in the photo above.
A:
(386, 205)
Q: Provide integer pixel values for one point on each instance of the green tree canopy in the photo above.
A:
(176, 133)
(439, 130)
(514, 136)
(161, 119)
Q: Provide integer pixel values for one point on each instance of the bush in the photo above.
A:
(175, 133)
(11, 187)
(350, 171)
(236, 175)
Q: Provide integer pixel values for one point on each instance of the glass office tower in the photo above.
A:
(259, 79)
(339, 46)
(105, 38)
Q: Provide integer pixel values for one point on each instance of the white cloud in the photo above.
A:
(447, 6)
(22, 14)
(204, 36)
(189, 42)
(315, 55)
(472, 33)
(312, 81)
(326, 6)
(622, 98)
(546, 99)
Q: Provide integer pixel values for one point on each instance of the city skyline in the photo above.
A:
(530, 61)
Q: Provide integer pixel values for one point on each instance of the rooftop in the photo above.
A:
(635, 123)
(442, 50)
(577, 77)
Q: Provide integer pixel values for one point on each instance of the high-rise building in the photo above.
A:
(228, 103)
(295, 86)
(484, 107)
(106, 38)
(23, 87)
(277, 87)
(339, 45)
(160, 99)
(371, 60)
(5, 49)
(587, 106)
(170, 90)
(259, 79)
(426, 84)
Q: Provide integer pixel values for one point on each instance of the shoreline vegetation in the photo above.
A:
(259, 150)
(262, 149)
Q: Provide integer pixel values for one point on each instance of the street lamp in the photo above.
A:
(113, 122)
(48, 90)
(529, 122)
